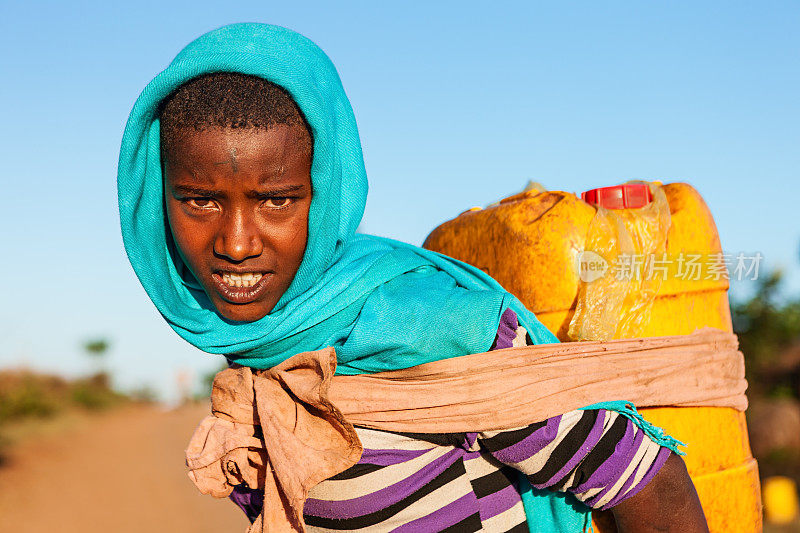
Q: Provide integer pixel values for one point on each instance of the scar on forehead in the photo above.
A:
(231, 160)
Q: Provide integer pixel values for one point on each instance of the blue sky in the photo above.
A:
(458, 104)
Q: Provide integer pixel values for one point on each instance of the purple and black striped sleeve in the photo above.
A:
(598, 455)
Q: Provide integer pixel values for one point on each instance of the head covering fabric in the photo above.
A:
(382, 304)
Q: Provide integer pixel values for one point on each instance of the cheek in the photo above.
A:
(300, 237)
(290, 240)
(189, 236)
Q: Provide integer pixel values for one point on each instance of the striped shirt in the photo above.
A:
(469, 481)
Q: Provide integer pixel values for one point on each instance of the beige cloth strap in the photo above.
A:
(514, 387)
(287, 428)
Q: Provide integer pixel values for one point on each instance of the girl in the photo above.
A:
(241, 185)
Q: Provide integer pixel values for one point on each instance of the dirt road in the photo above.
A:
(120, 471)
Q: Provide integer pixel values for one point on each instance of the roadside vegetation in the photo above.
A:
(768, 326)
(29, 399)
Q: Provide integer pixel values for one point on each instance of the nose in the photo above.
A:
(238, 239)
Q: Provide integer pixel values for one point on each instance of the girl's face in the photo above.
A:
(237, 201)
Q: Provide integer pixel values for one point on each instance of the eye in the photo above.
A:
(203, 204)
(277, 202)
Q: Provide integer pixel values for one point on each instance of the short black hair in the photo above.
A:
(227, 100)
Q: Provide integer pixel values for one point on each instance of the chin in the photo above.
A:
(243, 312)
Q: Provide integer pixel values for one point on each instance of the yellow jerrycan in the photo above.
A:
(634, 260)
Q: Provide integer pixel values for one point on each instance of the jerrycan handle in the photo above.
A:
(626, 196)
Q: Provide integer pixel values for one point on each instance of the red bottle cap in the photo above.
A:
(626, 196)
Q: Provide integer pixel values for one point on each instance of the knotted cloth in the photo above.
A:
(308, 438)
(286, 429)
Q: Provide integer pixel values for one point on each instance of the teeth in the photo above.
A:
(247, 279)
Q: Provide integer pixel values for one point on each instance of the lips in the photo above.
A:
(241, 287)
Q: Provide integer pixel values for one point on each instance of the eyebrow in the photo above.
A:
(197, 191)
(277, 191)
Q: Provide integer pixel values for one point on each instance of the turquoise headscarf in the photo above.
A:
(383, 304)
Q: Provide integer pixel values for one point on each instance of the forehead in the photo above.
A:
(275, 141)
(279, 148)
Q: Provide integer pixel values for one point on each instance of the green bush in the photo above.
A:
(94, 393)
(27, 395)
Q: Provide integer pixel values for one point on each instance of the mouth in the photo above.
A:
(241, 287)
